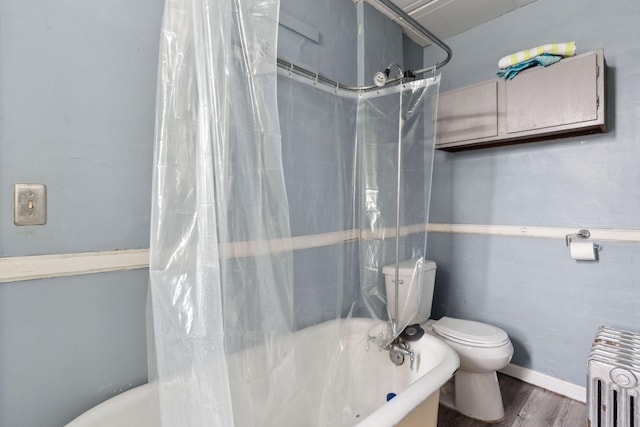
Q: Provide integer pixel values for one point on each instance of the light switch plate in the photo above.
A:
(30, 204)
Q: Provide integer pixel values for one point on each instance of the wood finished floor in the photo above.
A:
(525, 405)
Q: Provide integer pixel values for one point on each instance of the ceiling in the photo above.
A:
(446, 18)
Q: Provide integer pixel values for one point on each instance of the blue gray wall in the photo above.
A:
(78, 90)
(77, 104)
(77, 109)
(549, 304)
(78, 96)
(334, 55)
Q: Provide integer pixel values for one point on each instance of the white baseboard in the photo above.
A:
(558, 386)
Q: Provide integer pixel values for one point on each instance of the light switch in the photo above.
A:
(30, 204)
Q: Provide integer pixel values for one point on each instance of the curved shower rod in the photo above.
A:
(402, 16)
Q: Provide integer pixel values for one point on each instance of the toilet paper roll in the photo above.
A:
(583, 251)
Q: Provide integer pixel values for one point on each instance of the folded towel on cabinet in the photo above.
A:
(540, 60)
(561, 49)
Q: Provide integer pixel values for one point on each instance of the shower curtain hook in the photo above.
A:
(291, 68)
(316, 79)
(337, 87)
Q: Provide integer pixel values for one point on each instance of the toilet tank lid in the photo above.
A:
(407, 266)
(469, 331)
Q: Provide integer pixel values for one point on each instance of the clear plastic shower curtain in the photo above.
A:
(223, 262)
(341, 152)
(396, 137)
(220, 264)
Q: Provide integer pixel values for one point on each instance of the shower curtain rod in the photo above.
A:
(402, 16)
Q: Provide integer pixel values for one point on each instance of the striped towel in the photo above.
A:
(562, 49)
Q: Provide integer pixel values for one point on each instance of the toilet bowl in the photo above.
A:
(483, 349)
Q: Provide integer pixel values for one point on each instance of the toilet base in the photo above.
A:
(475, 395)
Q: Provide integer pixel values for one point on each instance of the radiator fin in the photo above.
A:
(613, 379)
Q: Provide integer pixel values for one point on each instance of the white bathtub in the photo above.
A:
(362, 378)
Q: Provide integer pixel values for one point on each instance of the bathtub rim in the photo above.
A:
(390, 413)
(396, 409)
(136, 395)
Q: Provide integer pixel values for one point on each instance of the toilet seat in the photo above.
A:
(470, 333)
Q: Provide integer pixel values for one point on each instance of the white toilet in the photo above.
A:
(483, 349)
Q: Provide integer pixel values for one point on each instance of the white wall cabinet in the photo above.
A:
(564, 99)
(468, 114)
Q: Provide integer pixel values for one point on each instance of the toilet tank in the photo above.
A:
(410, 309)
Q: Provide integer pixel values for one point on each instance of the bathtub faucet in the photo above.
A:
(398, 349)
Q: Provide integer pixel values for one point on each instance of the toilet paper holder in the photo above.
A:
(581, 234)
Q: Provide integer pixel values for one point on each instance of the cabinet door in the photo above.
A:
(560, 95)
(468, 113)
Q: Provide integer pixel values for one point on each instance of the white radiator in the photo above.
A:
(613, 379)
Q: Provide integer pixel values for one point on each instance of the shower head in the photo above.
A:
(381, 77)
